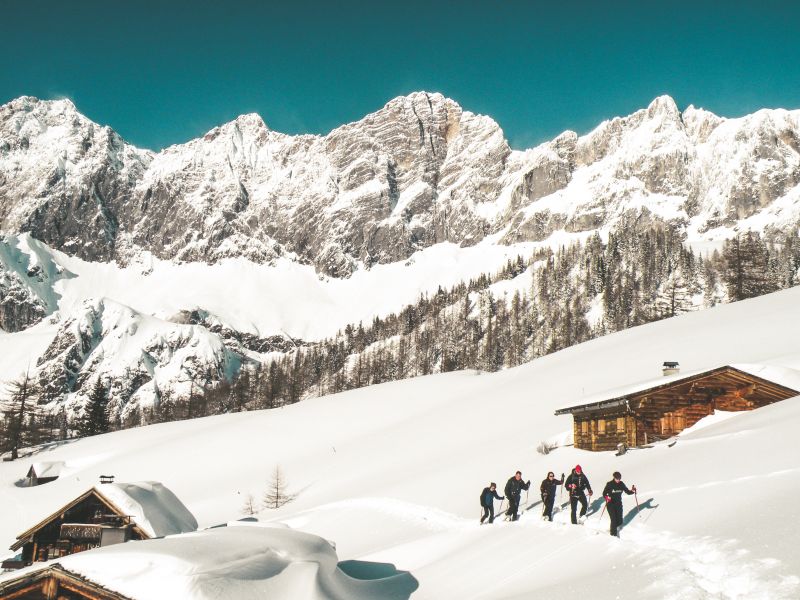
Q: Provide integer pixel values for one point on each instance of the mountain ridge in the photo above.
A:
(419, 171)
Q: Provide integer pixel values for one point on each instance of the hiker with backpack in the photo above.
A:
(488, 496)
(513, 490)
(576, 483)
(548, 491)
(612, 494)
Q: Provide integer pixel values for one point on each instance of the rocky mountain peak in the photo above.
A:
(663, 105)
(418, 171)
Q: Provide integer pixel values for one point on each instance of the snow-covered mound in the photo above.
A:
(243, 560)
(152, 506)
(391, 473)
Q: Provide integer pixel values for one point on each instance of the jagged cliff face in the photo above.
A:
(64, 178)
(417, 172)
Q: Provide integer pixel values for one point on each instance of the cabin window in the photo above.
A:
(584, 426)
(601, 426)
(620, 423)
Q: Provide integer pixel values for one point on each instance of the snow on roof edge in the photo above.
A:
(784, 376)
(153, 507)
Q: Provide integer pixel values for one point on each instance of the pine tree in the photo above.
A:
(747, 267)
(95, 412)
(276, 495)
(249, 505)
(21, 414)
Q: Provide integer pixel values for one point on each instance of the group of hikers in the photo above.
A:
(577, 484)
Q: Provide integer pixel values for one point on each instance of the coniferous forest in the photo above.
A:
(533, 306)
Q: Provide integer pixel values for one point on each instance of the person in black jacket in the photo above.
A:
(576, 483)
(613, 496)
(548, 491)
(513, 491)
(488, 496)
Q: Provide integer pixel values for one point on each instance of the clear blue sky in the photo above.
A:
(164, 72)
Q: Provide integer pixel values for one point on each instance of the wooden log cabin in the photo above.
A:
(660, 411)
(107, 514)
(55, 583)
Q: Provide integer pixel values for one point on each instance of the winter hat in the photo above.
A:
(578, 469)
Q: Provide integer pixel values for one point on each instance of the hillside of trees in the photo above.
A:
(534, 306)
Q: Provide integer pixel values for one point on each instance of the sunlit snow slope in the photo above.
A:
(392, 473)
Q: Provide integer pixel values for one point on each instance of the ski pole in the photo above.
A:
(604, 509)
(635, 497)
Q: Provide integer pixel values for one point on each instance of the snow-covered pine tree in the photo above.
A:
(95, 412)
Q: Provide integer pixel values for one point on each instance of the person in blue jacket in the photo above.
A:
(488, 496)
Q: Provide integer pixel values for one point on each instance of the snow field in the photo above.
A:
(392, 473)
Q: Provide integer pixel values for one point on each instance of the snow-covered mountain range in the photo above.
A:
(162, 269)
(417, 172)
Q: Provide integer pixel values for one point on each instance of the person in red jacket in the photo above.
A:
(613, 497)
(576, 483)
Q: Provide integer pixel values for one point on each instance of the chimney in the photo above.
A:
(671, 368)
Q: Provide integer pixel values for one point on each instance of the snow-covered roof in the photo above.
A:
(152, 506)
(242, 560)
(46, 469)
(784, 376)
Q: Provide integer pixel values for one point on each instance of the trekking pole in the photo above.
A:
(604, 508)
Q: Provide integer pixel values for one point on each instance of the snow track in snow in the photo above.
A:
(688, 568)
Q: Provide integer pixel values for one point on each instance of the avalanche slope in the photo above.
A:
(391, 473)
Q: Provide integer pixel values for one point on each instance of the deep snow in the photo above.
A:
(391, 473)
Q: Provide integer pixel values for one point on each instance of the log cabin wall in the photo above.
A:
(595, 431)
(663, 411)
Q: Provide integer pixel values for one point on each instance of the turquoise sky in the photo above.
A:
(164, 72)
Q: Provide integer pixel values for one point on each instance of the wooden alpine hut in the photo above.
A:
(55, 583)
(662, 408)
(109, 513)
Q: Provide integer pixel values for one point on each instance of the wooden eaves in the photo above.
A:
(50, 581)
